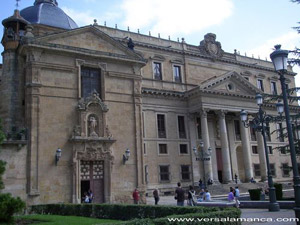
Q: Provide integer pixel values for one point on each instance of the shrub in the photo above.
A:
(9, 206)
(255, 193)
(278, 188)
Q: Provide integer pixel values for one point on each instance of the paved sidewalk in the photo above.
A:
(264, 215)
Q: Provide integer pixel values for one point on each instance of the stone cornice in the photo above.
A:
(164, 93)
(83, 51)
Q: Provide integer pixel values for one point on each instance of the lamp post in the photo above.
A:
(202, 155)
(279, 59)
(259, 123)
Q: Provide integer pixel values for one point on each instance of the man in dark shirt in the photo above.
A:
(179, 195)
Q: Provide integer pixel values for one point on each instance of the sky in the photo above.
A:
(252, 27)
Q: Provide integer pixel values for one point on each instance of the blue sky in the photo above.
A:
(251, 26)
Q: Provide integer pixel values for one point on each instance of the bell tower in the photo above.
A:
(12, 79)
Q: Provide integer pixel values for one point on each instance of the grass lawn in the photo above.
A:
(63, 220)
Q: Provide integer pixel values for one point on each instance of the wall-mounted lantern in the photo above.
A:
(57, 156)
(126, 156)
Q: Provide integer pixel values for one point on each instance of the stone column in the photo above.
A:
(193, 143)
(246, 152)
(227, 176)
(205, 138)
(262, 156)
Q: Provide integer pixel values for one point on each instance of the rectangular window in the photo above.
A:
(283, 150)
(164, 173)
(146, 174)
(270, 150)
(183, 149)
(253, 134)
(256, 168)
(273, 88)
(272, 169)
(157, 71)
(181, 127)
(161, 126)
(145, 149)
(237, 130)
(254, 149)
(268, 132)
(199, 128)
(280, 134)
(162, 149)
(90, 81)
(285, 170)
(177, 74)
(185, 172)
(260, 84)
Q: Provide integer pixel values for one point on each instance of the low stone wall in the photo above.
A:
(265, 204)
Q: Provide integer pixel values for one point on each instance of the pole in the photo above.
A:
(296, 177)
(202, 159)
(273, 205)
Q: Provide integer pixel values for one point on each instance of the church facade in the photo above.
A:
(102, 109)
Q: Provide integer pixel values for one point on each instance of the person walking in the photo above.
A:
(156, 196)
(91, 196)
(236, 196)
(231, 195)
(136, 196)
(179, 195)
(191, 196)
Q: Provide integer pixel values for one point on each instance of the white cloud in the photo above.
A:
(288, 41)
(87, 17)
(170, 17)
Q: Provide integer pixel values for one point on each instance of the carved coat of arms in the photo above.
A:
(210, 46)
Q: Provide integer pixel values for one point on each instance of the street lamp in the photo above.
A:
(279, 59)
(202, 155)
(259, 123)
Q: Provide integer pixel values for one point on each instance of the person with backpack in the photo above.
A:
(179, 195)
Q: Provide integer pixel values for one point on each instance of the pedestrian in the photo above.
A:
(206, 196)
(235, 178)
(209, 181)
(91, 196)
(201, 195)
(252, 180)
(179, 195)
(200, 183)
(86, 198)
(156, 196)
(231, 195)
(236, 196)
(136, 196)
(191, 196)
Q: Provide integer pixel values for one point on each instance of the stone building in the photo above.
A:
(98, 93)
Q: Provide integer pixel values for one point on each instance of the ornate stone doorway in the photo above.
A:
(92, 178)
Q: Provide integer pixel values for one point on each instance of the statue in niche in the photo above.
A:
(108, 133)
(93, 125)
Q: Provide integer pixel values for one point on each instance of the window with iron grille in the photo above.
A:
(256, 168)
(268, 132)
(253, 134)
(161, 126)
(181, 127)
(237, 130)
(146, 174)
(199, 128)
(272, 169)
(254, 149)
(90, 81)
(164, 173)
(260, 84)
(185, 172)
(163, 149)
(157, 71)
(285, 170)
(183, 149)
(280, 134)
(177, 74)
(273, 88)
(270, 149)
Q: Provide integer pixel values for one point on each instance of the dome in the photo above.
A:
(46, 12)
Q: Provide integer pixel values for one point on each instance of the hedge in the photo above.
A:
(255, 193)
(193, 218)
(142, 214)
(117, 211)
(278, 189)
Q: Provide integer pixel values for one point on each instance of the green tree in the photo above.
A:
(8, 204)
(296, 52)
